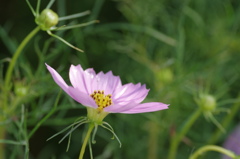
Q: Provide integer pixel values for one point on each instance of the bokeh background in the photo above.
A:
(180, 49)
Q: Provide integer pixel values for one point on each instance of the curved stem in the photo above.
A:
(14, 59)
(90, 128)
(177, 138)
(16, 55)
(212, 148)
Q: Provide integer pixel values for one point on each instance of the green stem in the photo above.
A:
(90, 128)
(2, 136)
(14, 59)
(212, 148)
(178, 137)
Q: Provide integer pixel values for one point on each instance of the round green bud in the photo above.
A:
(47, 19)
(20, 89)
(165, 75)
(207, 102)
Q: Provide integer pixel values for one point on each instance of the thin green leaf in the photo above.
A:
(66, 128)
(74, 15)
(50, 4)
(109, 127)
(64, 41)
(31, 8)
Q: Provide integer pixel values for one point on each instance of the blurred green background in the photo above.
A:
(178, 48)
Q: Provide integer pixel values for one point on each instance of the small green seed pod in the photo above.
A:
(20, 89)
(47, 19)
(165, 75)
(207, 102)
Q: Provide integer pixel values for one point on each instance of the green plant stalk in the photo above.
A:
(13, 62)
(2, 136)
(234, 110)
(178, 137)
(7, 85)
(212, 148)
(153, 140)
(90, 128)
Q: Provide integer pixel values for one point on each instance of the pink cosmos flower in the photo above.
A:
(104, 92)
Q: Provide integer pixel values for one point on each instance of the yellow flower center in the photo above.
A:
(101, 99)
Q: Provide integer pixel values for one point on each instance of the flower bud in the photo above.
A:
(207, 102)
(47, 19)
(164, 75)
(20, 89)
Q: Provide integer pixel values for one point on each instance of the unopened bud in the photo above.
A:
(47, 19)
(207, 102)
(165, 75)
(20, 89)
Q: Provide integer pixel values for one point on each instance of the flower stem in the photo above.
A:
(90, 128)
(7, 85)
(2, 145)
(14, 59)
(178, 137)
(212, 148)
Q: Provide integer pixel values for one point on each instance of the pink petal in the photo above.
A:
(116, 108)
(146, 107)
(107, 82)
(131, 92)
(82, 98)
(125, 89)
(82, 79)
(58, 79)
(89, 75)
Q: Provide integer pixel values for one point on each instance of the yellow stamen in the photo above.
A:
(101, 99)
